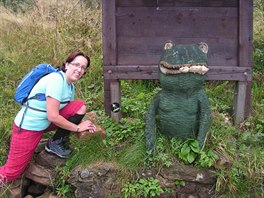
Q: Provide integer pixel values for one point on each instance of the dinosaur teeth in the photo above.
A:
(185, 68)
(199, 69)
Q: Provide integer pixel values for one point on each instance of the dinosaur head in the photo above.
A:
(177, 59)
(183, 67)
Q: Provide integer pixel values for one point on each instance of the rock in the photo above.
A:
(28, 196)
(51, 195)
(47, 194)
(92, 116)
(49, 160)
(98, 180)
(15, 192)
(89, 190)
(196, 182)
(17, 187)
(86, 134)
(40, 174)
(188, 173)
(102, 179)
(223, 160)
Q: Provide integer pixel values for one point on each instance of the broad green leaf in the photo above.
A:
(191, 157)
(185, 149)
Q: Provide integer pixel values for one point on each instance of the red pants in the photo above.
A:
(24, 143)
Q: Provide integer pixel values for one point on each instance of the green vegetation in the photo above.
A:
(148, 187)
(33, 32)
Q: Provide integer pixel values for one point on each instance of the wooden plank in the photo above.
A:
(126, 72)
(191, 22)
(160, 3)
(147, 51)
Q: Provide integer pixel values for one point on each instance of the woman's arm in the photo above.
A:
(54, 117)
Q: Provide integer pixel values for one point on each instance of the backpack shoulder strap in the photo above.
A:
(41, 96)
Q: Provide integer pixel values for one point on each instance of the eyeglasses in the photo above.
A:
(78, 65)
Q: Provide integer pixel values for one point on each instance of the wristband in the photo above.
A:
(78, 128)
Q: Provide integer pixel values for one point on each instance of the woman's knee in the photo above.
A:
(82, 110)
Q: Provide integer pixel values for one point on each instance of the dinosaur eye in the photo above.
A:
(168, 45)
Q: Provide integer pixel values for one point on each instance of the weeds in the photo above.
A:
(147, 187)
(179, 182)
(187, 151)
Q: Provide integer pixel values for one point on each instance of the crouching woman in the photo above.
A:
(60, 112)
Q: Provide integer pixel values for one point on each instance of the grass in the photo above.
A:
(48, 31)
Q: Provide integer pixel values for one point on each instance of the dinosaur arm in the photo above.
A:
(150, 128)
(205, 117)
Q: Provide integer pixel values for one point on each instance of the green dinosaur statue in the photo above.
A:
(181, 108)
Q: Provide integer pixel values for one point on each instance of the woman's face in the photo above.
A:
(76, 69)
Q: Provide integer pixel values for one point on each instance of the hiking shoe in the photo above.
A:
(58, 148)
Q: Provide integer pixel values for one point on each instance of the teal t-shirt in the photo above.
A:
(53, 85)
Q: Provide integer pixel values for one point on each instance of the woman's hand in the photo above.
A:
(87, 125)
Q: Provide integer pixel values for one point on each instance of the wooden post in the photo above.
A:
(239, 102)
(115, 98)
(242, 98)
(109, 46)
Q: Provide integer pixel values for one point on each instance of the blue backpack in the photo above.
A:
(28, 82)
